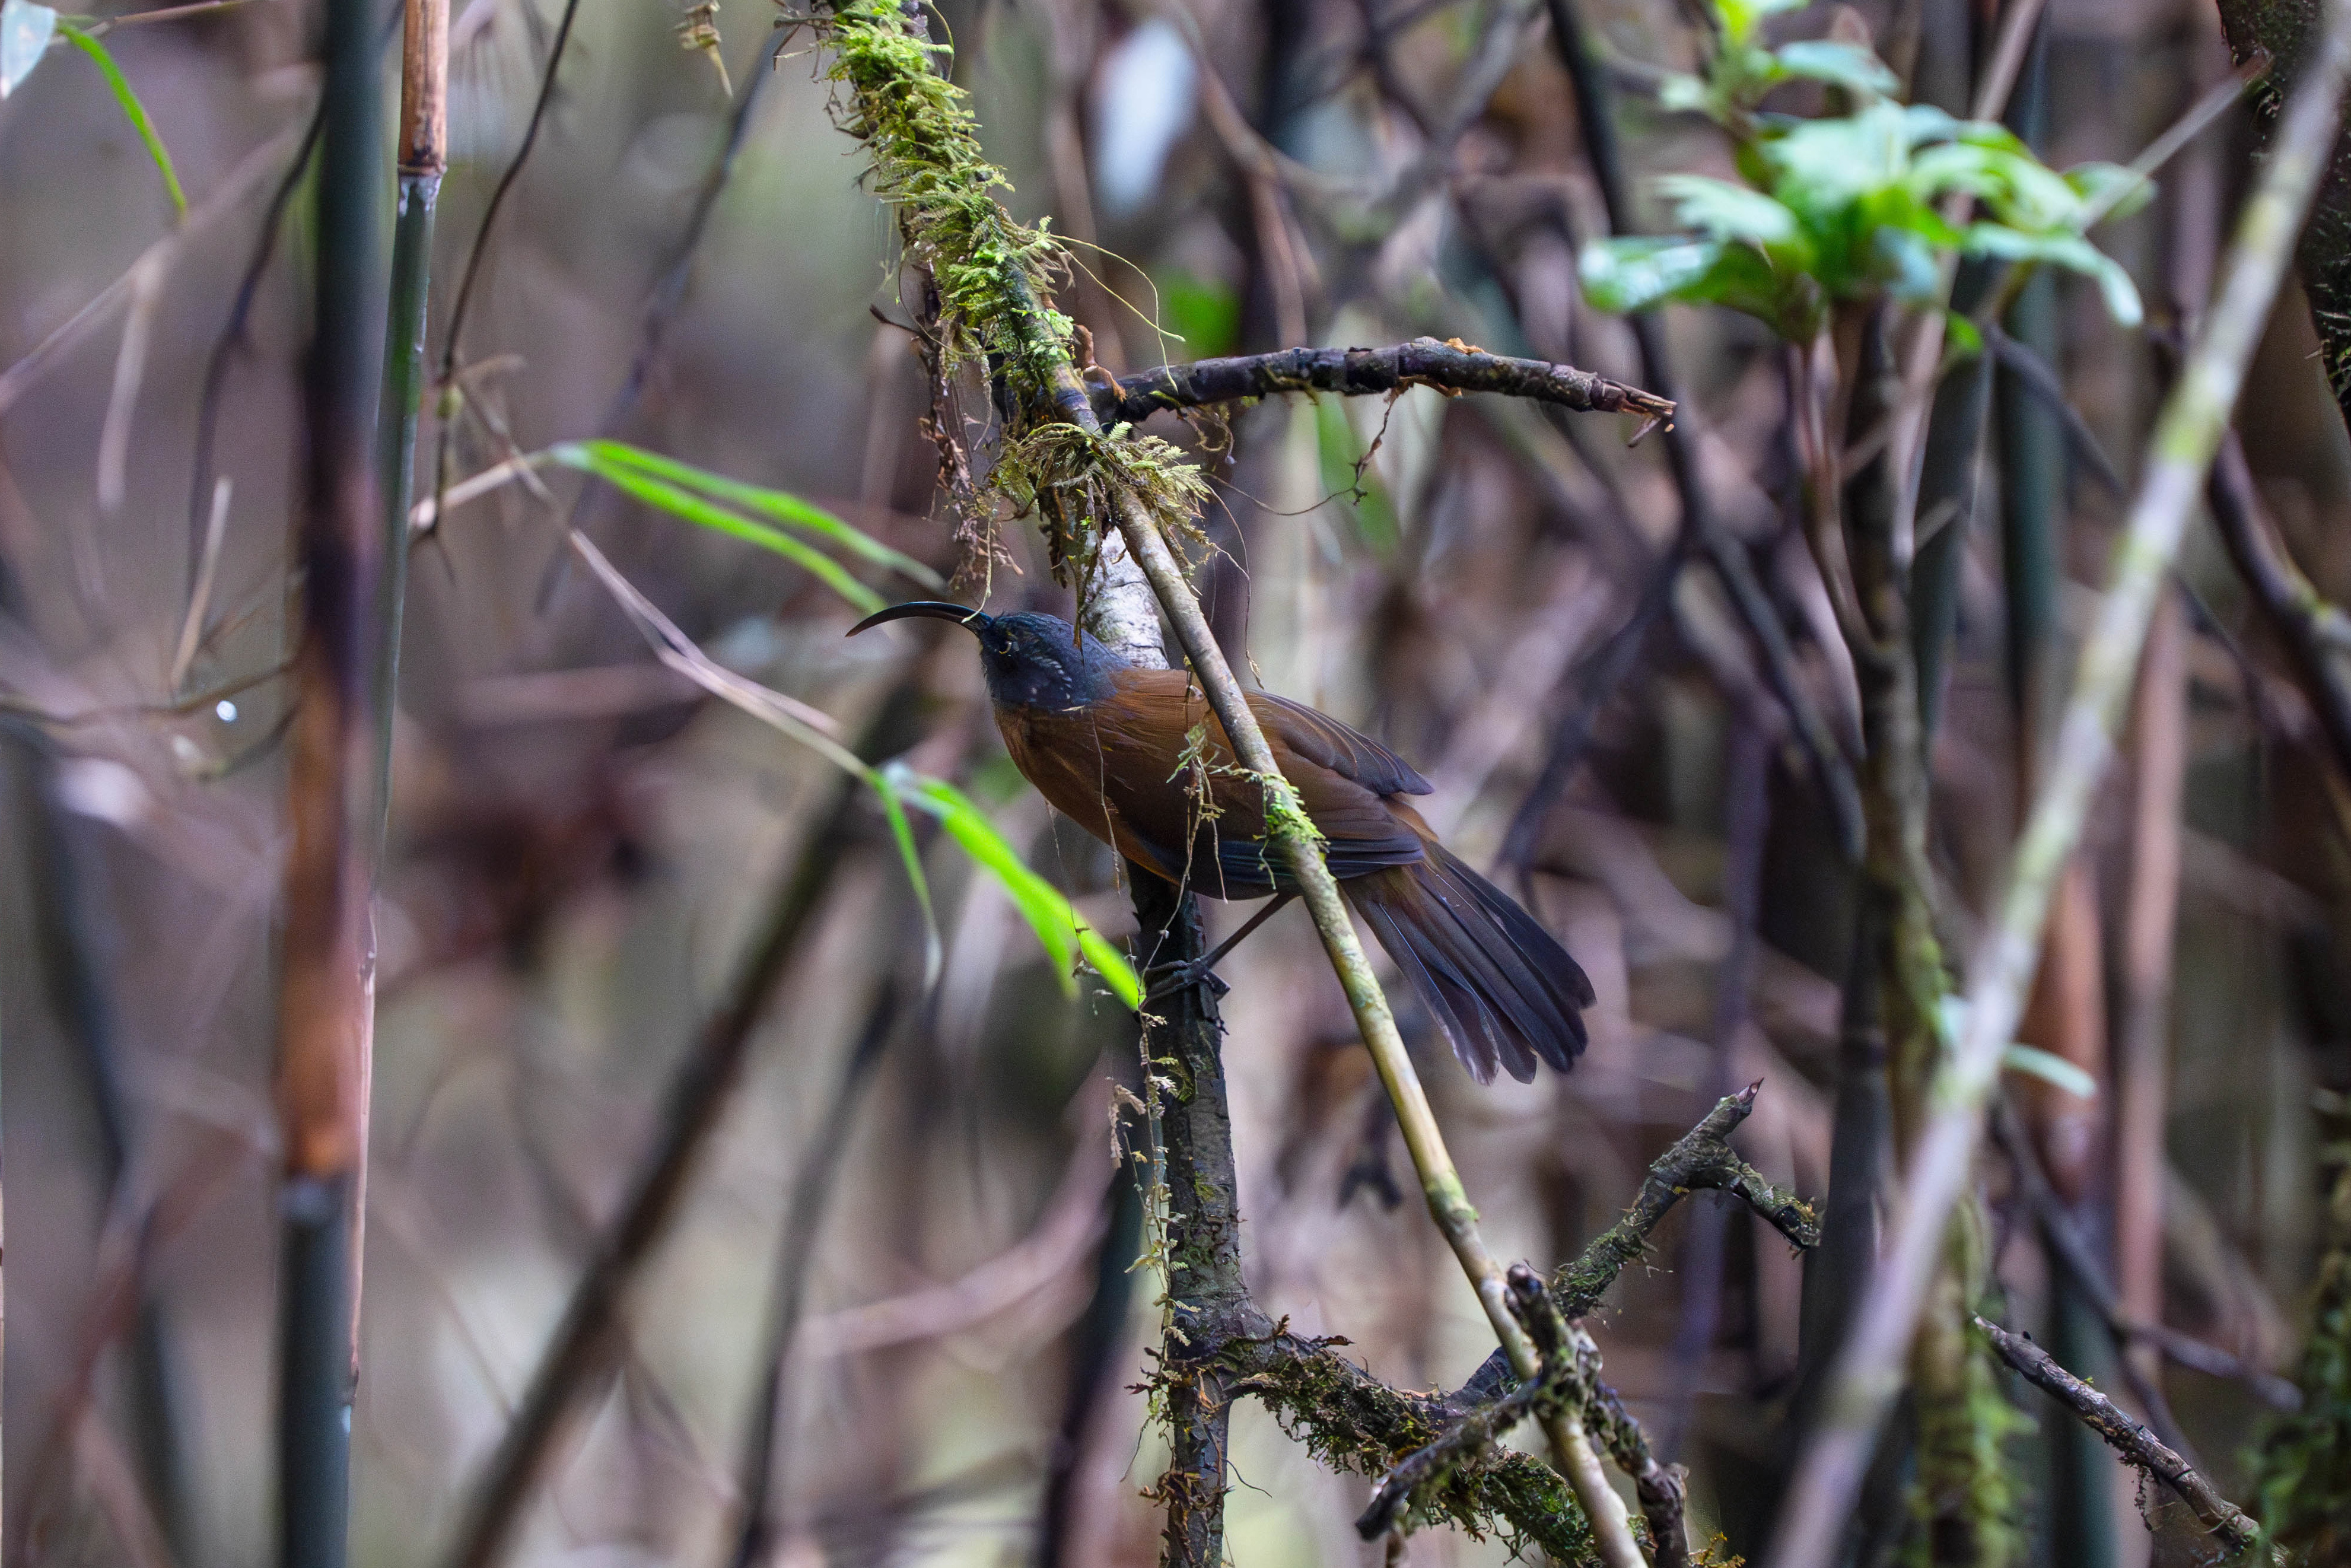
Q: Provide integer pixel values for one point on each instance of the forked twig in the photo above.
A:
(1700, 1158)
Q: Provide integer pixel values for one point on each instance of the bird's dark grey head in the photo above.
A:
(1030, 659)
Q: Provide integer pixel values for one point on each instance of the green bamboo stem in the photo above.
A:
(322, 1009)
(423, 156)
(424, 140)
(1868, 1375)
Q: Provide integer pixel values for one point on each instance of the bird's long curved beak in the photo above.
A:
(926, 608)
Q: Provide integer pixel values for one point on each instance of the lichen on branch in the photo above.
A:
(928, 163)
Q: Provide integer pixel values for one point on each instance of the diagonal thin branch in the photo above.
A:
(2316, 632)
(2137, 1446)
(585, 1342)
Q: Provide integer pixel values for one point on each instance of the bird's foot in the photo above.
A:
(1165, 979)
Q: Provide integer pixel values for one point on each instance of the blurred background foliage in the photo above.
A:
(582, 841)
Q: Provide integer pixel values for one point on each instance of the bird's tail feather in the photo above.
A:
(1500, 986)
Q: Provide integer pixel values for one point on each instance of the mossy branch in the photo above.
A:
(1552, 1392)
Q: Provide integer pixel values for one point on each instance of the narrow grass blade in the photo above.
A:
(681, 503)
(1046, 908)
(911, 854)
(134, 111)
(776, 506)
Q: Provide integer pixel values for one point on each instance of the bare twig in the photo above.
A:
(498, 192)
(2137, 1446)
(663, 300)
(2076, 1256)
(2315, 630)
(1701, 1157)
(452, 396)
(2071, 1251)
(201, 491)
(584, 1343)
(1865, 1378)
(1364, 372)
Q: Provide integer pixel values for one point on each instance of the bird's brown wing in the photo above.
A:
(1325, 742)
(1128, 771)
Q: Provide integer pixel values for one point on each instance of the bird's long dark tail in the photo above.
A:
(1501, 986)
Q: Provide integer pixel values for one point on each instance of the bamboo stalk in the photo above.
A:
(423, 156)
(322, 1012)
(423, 141)
(1866, 1376)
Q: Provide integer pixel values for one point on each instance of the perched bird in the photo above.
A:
(1137, 759)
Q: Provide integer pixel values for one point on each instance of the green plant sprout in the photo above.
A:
(1849, 207)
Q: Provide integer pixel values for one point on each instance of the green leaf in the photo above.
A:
(1681, 93)
(133, 110)
(2067, 250)
(693, 508)
(2048, 1067)
(1739, 17)
(1046, 908)
(910, 855)
(777, 505)
(1847, 65)
(1634, 273)
(1819, 165)
(25, 30)
(1729, 212)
